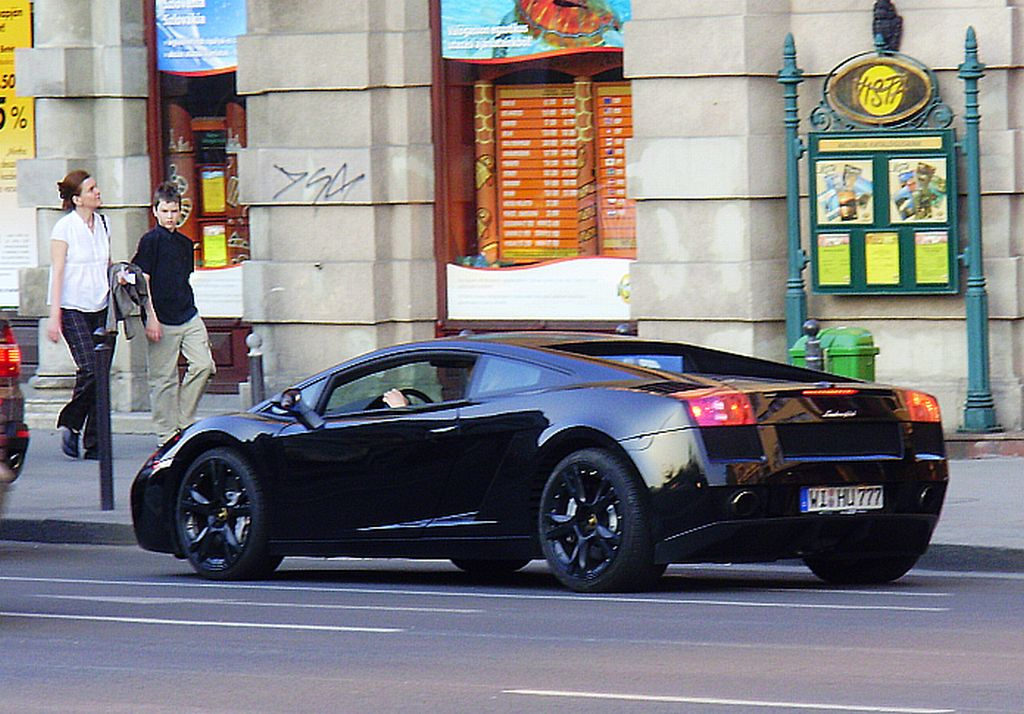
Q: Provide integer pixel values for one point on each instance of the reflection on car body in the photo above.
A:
(608, 456)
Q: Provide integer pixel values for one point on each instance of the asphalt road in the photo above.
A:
(115, 629)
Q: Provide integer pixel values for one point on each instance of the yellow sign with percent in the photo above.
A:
(17, 114)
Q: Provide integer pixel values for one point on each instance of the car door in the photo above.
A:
(488, 491)
(370, 472)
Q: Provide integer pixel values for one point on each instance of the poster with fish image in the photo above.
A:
(511, 30)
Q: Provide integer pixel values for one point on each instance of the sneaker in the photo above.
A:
(69, 442)
(92, 454)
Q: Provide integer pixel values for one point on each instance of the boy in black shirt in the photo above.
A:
(173, 325)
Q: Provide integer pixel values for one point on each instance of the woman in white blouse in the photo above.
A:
(79, 292)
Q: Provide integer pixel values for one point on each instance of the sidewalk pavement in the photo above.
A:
(57, 500)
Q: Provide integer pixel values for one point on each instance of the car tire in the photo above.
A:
(477, 566)
(221, 518)
(861, 571)
(593, 525)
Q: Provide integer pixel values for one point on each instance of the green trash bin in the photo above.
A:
(848, 352)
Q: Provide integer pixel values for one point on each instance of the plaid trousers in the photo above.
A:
(80, 412)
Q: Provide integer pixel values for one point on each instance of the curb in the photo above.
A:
(942, 556)
(69, 532)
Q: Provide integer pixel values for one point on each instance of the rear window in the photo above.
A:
(664, 363)
(691, 359)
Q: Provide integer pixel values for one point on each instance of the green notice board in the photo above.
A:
(884, 212)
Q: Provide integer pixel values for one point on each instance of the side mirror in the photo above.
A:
(291, 402)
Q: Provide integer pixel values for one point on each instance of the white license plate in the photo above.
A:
(831, 499)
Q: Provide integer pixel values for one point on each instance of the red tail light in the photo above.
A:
(10, 354)
(922, 407)
(719, 408)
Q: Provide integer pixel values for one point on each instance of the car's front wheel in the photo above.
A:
(860, 571)
(593, 525)
(221, 518)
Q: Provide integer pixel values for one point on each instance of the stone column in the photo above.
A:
(87, 71)
(706, 169)
(338, 174)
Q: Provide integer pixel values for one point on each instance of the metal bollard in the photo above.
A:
(257, 388)
(103, 351)
(813, 357)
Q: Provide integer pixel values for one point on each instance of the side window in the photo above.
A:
(425, 380)
(497, 374)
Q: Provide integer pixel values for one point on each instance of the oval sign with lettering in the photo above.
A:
(878, 90)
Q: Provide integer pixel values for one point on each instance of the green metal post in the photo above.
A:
(796, 299)
(979, 410)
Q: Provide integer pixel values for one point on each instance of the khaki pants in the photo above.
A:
(174, 403)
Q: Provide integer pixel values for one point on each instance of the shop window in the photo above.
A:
(205, 123)
(533, 115)
(196, 127)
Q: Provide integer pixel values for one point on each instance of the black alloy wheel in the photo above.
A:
(221, 518)
(593, 525)
(861, 571)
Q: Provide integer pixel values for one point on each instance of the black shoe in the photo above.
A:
(69, 442)
(92, 454)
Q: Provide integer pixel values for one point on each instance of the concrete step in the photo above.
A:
(979, 446)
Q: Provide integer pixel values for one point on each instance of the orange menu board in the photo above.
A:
(617, 216)
(537, 175)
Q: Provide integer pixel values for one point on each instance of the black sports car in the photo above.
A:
(608, 456)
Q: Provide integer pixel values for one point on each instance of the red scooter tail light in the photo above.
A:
(922, 407)
(10, 354)
(719, 408)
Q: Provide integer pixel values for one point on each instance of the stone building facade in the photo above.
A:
(323, 80)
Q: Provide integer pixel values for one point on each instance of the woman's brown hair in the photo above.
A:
(71, 186)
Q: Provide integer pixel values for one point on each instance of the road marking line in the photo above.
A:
(867, 593)
(200, 623)
(575, 598)
(253, 603)
(725, 702)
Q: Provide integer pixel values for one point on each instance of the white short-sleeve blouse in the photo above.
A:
(86, 286)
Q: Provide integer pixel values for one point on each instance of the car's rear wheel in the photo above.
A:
(593, 525)
(861, 571)
(478, 566)
(221, 518)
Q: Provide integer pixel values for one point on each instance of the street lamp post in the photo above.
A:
(979, 410)
(796, 298)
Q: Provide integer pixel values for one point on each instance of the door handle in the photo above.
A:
(444, 429)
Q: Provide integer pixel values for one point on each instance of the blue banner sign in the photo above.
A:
(198, 37)
(511, 30)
